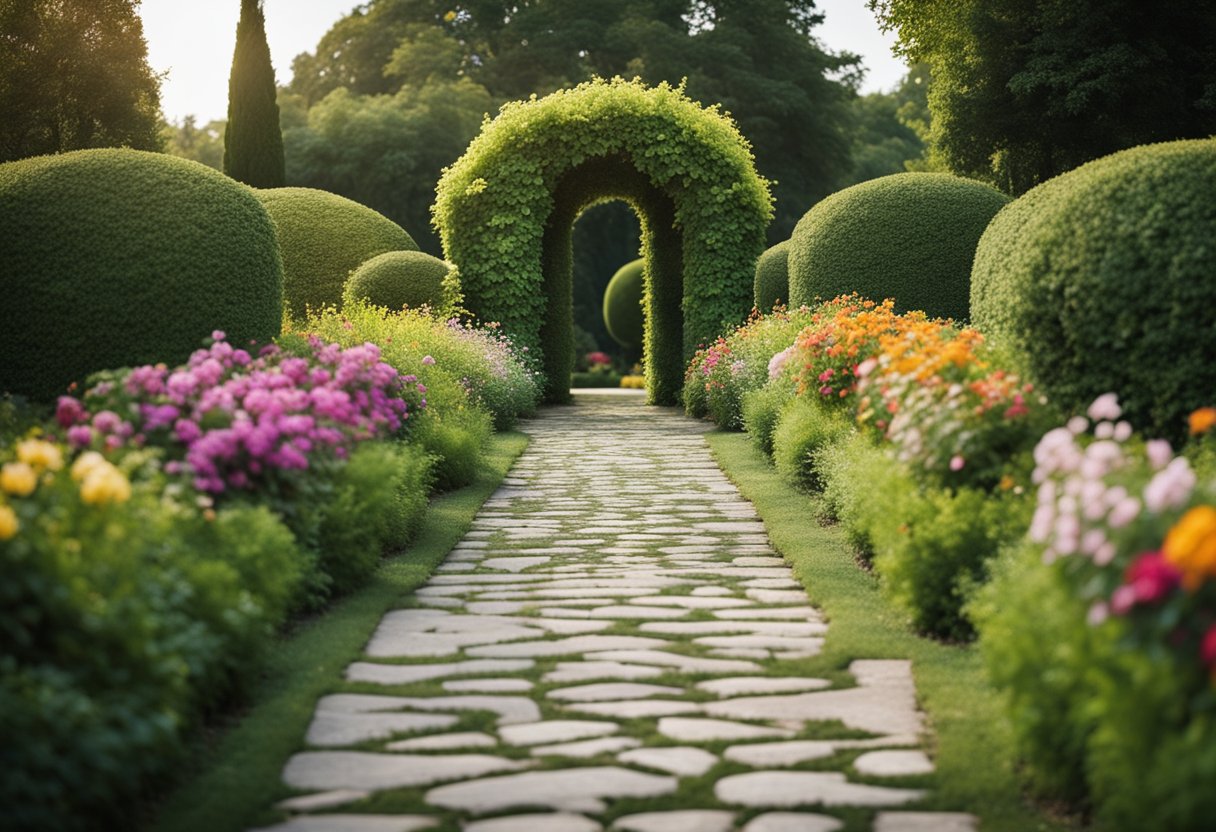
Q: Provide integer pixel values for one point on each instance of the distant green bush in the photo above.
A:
(1102, 280)
(323, 237)
(399, 279)
(772, 284)
(762, 409)
(909, 236)
(112, 258)
(802, 428)
(623, 304)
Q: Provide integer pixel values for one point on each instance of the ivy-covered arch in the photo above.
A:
(506, 209)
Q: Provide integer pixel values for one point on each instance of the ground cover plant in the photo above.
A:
(91, 283)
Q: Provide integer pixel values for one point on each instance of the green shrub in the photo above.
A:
(399, 279)
(1102, 280)
(909, 236)
(802, 428)
(852, 472)
(323, 237)
(505, 212)
(453, 435)
(623, 300)
(597, 380)
(772, 284)
(762, 409)
(112, 258)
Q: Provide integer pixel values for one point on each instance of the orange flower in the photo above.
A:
(1202, 420)
(1191, 546)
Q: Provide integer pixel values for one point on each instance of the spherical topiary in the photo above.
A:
(909, 236)
(398, 279)
(772, 277)
(1104, 279)
(111, 258)
(623, 304)
(323, 237)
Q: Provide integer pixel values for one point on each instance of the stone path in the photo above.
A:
(614, 645)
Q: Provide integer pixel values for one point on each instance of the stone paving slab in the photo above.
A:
(614, 625)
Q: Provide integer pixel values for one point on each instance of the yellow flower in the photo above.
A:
(18, 478)
(105, 484)
(8, 523)
(1191, 545)
(1202, 420)
(85, 465)
(450, 16)
(40, 454)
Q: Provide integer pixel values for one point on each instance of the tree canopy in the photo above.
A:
(253, 140)
(74, 74)
(1024, 90)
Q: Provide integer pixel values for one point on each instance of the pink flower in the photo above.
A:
(1098, 613)
(957, 463)
(1105, 408)
(1207, 650)
(1151, 578)
(1170, 487)
(1159, 453)
(218, 335)
(427, 361)
(68, 412)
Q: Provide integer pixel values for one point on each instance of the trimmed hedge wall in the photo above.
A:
(772, 285)
(1104, 279)
(323, 237)
(623, 304)
(118, 257)
(397, 279)
(505, 208)
(909, 236)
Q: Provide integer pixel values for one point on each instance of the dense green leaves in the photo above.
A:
(1025, 90)
(253, 142)
(505, 209)
(74, 74)
(623, 305)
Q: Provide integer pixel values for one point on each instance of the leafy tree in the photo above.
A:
(253, 141)
(1026, 89)
(74, 74)
(890, 131)
(200, 144)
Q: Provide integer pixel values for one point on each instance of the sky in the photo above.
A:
(194, 42)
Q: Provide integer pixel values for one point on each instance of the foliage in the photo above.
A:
(253, 142)
(1027, 90)
(323, 238)
(125, 612)
(492, 371)
(623, 299)
(541, 162)
(890, 130)
(397, 279)
(74, 74)
(909, 236)
(802, 428)
(761, 408)
(198, 144)
(1093, 277)
(120, 257)
(454, 436)
(772, 285)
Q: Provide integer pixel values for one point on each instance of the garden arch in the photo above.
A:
(505, 212)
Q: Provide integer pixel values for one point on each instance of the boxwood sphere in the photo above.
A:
(772, 277)
(1104, 279)
(623, 305)
(909, 236)
(114, 257)
(402, 278)
(323, 237)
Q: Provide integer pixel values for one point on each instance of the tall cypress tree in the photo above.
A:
(253, 141)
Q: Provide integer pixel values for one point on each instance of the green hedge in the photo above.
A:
(772, 284)
(505, 210)
(112, 258)
(323, 237)
(623, 300)
(1102, 280)
(909, 236)
(397, 279)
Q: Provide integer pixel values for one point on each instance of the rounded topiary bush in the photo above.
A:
(623, 305)
(772, 284)
(1104, 279)
(398, 279)
(323, 237)
(112, 258)
(909, 236)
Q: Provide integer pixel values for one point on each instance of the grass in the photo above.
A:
(974, 748)
(236, 775)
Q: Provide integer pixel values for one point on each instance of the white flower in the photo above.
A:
(1123, 431)
(1105, 407)
(1077, 425)
(1170, 487)
(1159, 453)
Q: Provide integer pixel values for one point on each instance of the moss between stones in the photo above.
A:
(909, 236)
(1104, 279)
(118, 257)
(772, 284)
(623, 304)
(398, 279)
(323, 237)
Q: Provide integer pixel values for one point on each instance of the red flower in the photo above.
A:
(1149, 579)
(1207, 649)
